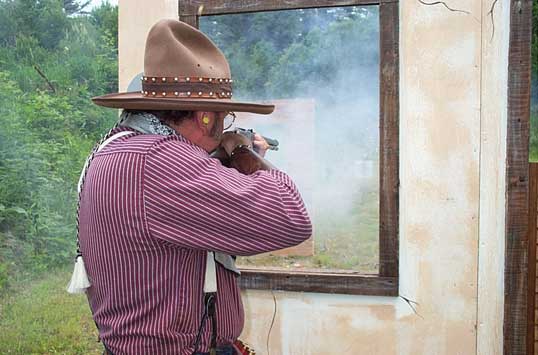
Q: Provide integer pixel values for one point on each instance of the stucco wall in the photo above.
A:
(135, 19)
(494, 82)
(453, 68)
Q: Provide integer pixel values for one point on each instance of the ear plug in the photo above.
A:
(205, 120)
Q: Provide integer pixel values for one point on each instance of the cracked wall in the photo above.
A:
(453, 75)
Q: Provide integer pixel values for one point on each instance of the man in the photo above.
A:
(159, 216)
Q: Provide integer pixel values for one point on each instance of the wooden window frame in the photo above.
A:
(385, 283)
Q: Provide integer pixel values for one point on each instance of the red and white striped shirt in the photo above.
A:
(151, 207)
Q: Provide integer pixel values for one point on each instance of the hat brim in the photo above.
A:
(137, 101)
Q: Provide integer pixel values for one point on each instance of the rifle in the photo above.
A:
(246, 164)
(249, 133)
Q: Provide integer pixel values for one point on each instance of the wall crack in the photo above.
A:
(272, 321)
(445, 5)
(491, 16)
(412, 304)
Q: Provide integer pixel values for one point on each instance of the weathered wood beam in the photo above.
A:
(389, 128)
(517, 179)
(220, 7)
(329, 282)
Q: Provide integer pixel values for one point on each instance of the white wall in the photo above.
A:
(494, 118)
(453, 80)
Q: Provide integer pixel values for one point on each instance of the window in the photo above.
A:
(332, 74)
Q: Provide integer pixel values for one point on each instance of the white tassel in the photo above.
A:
(210, 282)
(79, 281)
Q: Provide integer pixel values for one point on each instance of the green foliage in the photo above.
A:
(51, 65)
(43, 20)
(105, 19)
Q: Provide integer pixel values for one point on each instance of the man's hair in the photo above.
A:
(171, 116)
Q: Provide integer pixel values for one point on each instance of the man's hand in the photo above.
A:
(248, 161)
(231, 140)
(260, 145)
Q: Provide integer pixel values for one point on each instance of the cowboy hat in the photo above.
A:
(183, 70)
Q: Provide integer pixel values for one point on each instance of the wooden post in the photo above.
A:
(517, 173)
(189, 13)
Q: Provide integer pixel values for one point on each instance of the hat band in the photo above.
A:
(194, 87)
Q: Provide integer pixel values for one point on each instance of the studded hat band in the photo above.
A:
(194, 87)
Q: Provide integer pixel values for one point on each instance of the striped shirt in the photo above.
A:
(151, 206)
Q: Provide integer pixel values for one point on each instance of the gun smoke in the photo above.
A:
(325, 83)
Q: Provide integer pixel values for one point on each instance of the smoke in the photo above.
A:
(320, 68)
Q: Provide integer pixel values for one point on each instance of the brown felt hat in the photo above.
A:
(183, 70)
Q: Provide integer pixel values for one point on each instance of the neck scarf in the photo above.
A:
(145, 122)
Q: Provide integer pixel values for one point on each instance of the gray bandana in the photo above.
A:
(147, 123)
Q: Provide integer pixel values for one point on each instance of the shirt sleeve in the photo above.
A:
(193, 201)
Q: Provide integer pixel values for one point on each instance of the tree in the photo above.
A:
(72, 7)
(45, 135)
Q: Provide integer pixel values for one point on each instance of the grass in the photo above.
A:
(39, 317)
